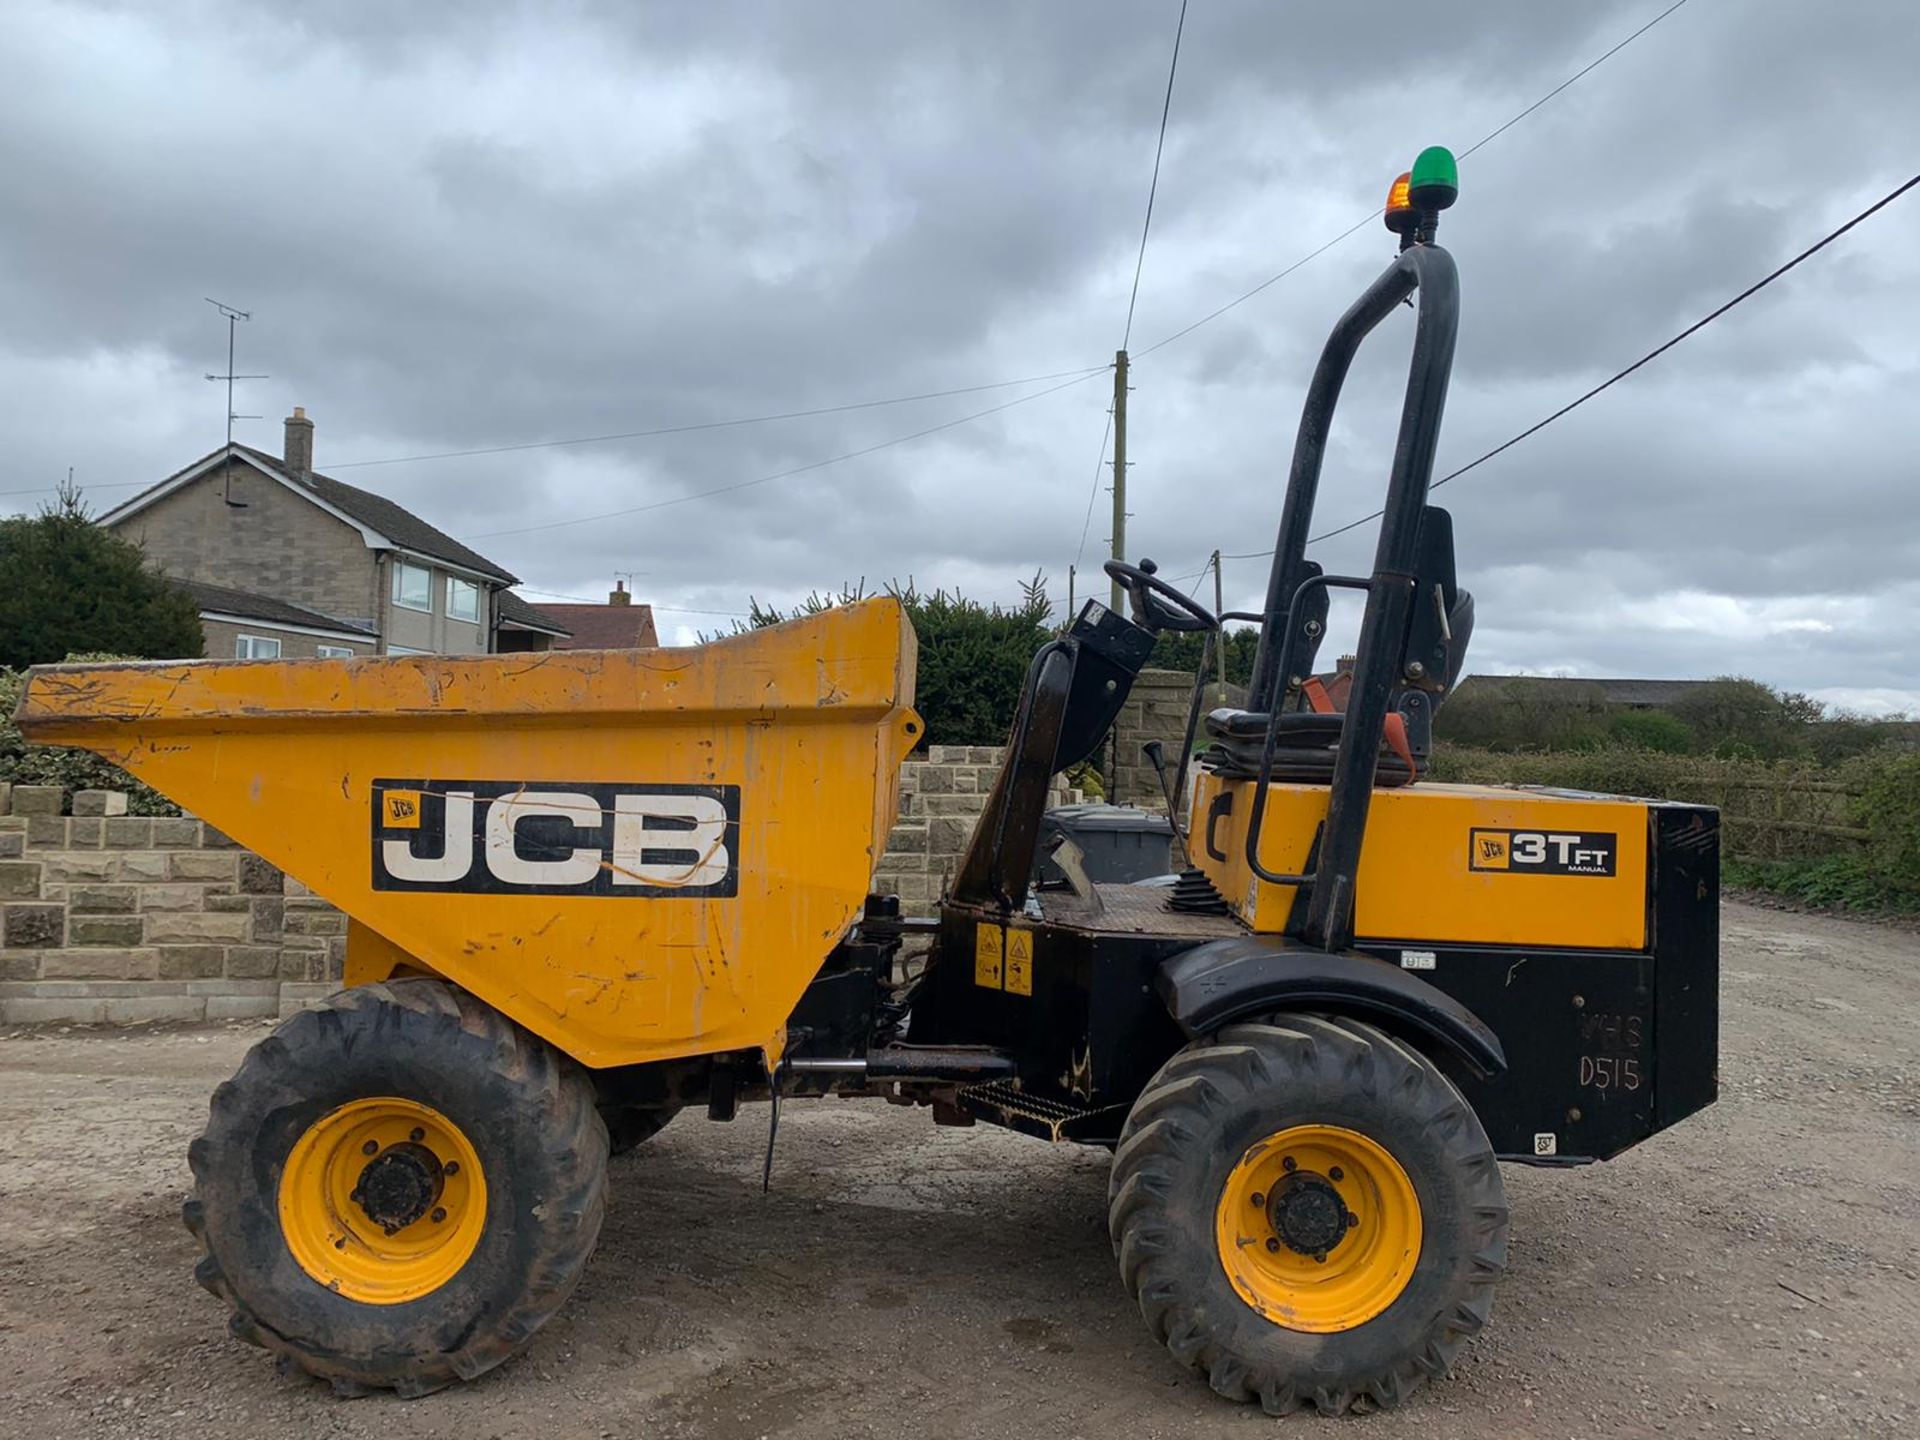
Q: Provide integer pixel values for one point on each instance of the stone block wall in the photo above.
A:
(941, 799)
(111, 918)
(1157, 710)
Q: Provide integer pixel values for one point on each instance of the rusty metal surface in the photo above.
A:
(1133, 910)
(638, 855)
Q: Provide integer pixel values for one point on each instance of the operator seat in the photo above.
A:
(1307, 739)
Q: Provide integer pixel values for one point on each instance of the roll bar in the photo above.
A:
(1291, 630)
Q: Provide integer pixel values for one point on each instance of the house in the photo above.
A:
(1338, 683)
(526, 627)
(286, 561)
(617, 625)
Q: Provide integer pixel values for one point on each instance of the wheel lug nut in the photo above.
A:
(1258, 1199)
(1273, 1244)
(1321, 1258)
(452, 1167)
(1336, 1173)
(416, 1135)
(439, 1214)
(372, 1147)
(1288, 1164)
(1353, 1221)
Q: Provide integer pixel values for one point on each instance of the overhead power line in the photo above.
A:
(1186, 330)
(1080, 374)
(1116, 415)
(792, 471)
(587, 600)
(716, 424)
(1619, 375)
(1373, 215)
(1153, 187)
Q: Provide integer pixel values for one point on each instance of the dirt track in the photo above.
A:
(903, 1280)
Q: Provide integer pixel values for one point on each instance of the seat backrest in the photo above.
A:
(1442, 612)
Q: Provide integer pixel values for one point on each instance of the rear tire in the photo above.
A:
(460, 1268)
(1327, 1304)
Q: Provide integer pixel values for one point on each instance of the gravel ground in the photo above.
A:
(1755, 1271)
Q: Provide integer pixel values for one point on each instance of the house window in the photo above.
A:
(463, 599)
(256, 647)
(403, 650)
(412, 586)
(333, 652)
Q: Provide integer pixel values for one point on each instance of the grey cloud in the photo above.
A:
(462, 225)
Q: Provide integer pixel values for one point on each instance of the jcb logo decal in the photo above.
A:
(495, 837)
(1541, 852)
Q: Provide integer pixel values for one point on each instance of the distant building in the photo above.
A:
(1338, 684)
(1625, 694)
(617, 625)
(285, 561)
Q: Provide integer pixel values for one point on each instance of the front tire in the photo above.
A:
(397, 1190)
(631, 1126)
(1308, 1213)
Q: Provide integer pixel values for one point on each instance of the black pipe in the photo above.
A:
(1290, 566)
(998, 865)
(1383, 631)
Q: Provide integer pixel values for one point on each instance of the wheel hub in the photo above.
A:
(1308, 1214)
(399, 1185)
(383, 1200)
(1318, 1228)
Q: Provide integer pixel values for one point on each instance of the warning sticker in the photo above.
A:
(987, 945)
(1020, 962)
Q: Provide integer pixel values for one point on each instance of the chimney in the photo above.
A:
(1344, 665)
(619, 595)
(298, 456)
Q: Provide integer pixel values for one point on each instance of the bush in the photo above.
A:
(1737, 718)
(1177, 650)
(1833, 882)
(68, 586)
(973, 657)
(1889, 808)
(1524, 713)
(22, 763)
(1650, 730)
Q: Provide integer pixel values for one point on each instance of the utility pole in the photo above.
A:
(1119, 469)
(1220, 636)
(1070, 577)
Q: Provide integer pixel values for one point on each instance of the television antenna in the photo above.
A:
(234, 317)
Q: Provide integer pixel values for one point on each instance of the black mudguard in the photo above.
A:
(1223, 981)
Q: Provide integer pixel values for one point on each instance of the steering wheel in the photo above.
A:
(1150, 595)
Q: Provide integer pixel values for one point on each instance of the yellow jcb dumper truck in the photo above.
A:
(588, 890)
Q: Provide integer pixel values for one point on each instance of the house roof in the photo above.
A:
(384, 522)
(1614, 691)
(607, 627)
(223, 600)
(518, 613)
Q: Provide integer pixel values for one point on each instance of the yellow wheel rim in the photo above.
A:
(1318, 1228)
(383, 1200)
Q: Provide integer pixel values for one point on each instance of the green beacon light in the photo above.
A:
(1434, 181)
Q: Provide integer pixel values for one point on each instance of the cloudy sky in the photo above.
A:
(463, 226)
